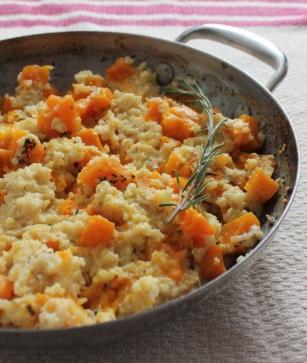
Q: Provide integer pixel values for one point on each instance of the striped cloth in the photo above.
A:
(101, 14)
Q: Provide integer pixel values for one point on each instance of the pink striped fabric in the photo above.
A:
(57, 13)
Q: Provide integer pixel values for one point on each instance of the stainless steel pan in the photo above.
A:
(228, 88)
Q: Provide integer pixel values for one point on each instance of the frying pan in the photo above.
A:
(228, 88)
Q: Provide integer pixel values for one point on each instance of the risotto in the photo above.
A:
(86, 189)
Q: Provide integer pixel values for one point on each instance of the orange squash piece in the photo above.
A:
(182, 183)
(4, 139)
(150, 179)
(177, 164)
(186, 112)
(65, 255)
(41, 299)
(6, 288)
(260, 187)
(221, 161)
(53, 244)
(238, 226)
(95, 104)
(254, 144)
(88, 155)
(14, 136)
(36, 154)
(103, 168)
(187, 168)
(67, 207)
(36, 73)
(59, 181)
(105, 295)
(90, 210)
(90, 137)
(61, 108)
(94, 80)
(120, 70)
(252, 123)
(164, 140)
(174, 162)
(35, 151)
(177, 122)
(5, 161)
(153, 110)
(2, 196)
(194, 224)
(212, 264)
(98, 232)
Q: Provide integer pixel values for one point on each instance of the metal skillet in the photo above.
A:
(228, 88)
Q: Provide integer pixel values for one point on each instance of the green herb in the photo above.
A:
(193, 192)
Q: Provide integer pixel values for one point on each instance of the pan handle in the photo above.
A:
(246, 41)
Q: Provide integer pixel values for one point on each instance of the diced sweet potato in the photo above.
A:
(94, 80)
(261, 187)
(5, 161)
(178, 121)
(41, 299)
(164, 140)
(95, 104)
(149, 179)
(103, 169)
(59, 181)
(154, 112)
(238, 226)
(90, 137)
(67, 206)
(98, 232)
(5, 136)
(174, 162)
(65, 255)
(36, 73)
(105, 295)
(37, 154)
(53, 244)
(2, 196)
(33, 151)
(195, 225)
(212, 264)
(252, 123)
(88, 155)
(182, 183)
(6, 288)
(120, 70)
(221, 161)
(58, 110)
(185, 112)
(14, 136)
(240, 136)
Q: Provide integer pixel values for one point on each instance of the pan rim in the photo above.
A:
(199, 292)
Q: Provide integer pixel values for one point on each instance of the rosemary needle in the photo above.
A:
(193, 192)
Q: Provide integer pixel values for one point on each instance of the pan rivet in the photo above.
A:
(164, 74)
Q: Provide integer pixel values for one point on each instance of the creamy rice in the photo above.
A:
(55, 270)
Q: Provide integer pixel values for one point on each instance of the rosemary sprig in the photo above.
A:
(193, 192)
